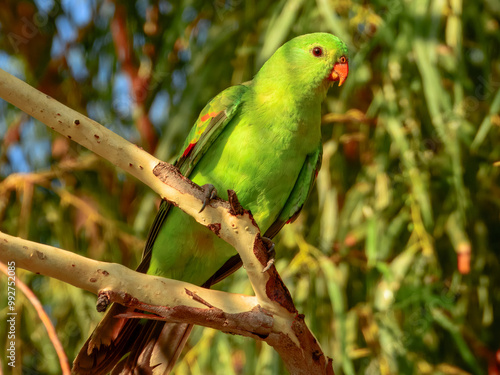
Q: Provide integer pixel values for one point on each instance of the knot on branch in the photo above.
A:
(103, 301)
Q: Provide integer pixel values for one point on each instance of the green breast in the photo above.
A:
(260, 159)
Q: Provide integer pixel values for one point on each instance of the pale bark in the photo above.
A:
(270, 314)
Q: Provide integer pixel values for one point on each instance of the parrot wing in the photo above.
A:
(210, 123)
(299, 194)
(114, 337)
(124, 345)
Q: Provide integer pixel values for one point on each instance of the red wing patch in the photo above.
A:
(294, 216)
(188, 149)
(208, 115)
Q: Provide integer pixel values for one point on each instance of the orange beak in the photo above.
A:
(339, 72)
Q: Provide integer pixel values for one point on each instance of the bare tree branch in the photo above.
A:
(101, 277)
(289, 334)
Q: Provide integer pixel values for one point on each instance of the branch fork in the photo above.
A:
(270, 315)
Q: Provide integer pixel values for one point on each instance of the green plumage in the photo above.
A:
(262, 140)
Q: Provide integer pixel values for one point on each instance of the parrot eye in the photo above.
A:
(317, 51)
(343, 60)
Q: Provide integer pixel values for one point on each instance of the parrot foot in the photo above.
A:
(210, 192)
(271, 252)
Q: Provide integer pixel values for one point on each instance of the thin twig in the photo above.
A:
(63, 359)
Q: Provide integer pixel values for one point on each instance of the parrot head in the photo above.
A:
(318, 56)
(322, 54)
(308, 63)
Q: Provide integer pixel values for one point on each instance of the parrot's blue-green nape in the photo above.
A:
(261, 139)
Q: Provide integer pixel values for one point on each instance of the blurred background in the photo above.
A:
(394, 260)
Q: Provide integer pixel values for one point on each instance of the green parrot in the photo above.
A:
(261, 139)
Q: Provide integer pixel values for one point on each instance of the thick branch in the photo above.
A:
(236, 227)
(184, 303)
(240, 231)
(98, 277)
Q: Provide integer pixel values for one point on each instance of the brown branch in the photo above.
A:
(256, 322)
(185, 303)
(51, 331)
(139, 78)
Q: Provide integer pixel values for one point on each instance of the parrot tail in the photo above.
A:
(154, 345)
(134, 346)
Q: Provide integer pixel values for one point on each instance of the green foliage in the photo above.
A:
(409, 183)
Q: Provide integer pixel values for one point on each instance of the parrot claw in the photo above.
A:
(271, 252)
(210, 193)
